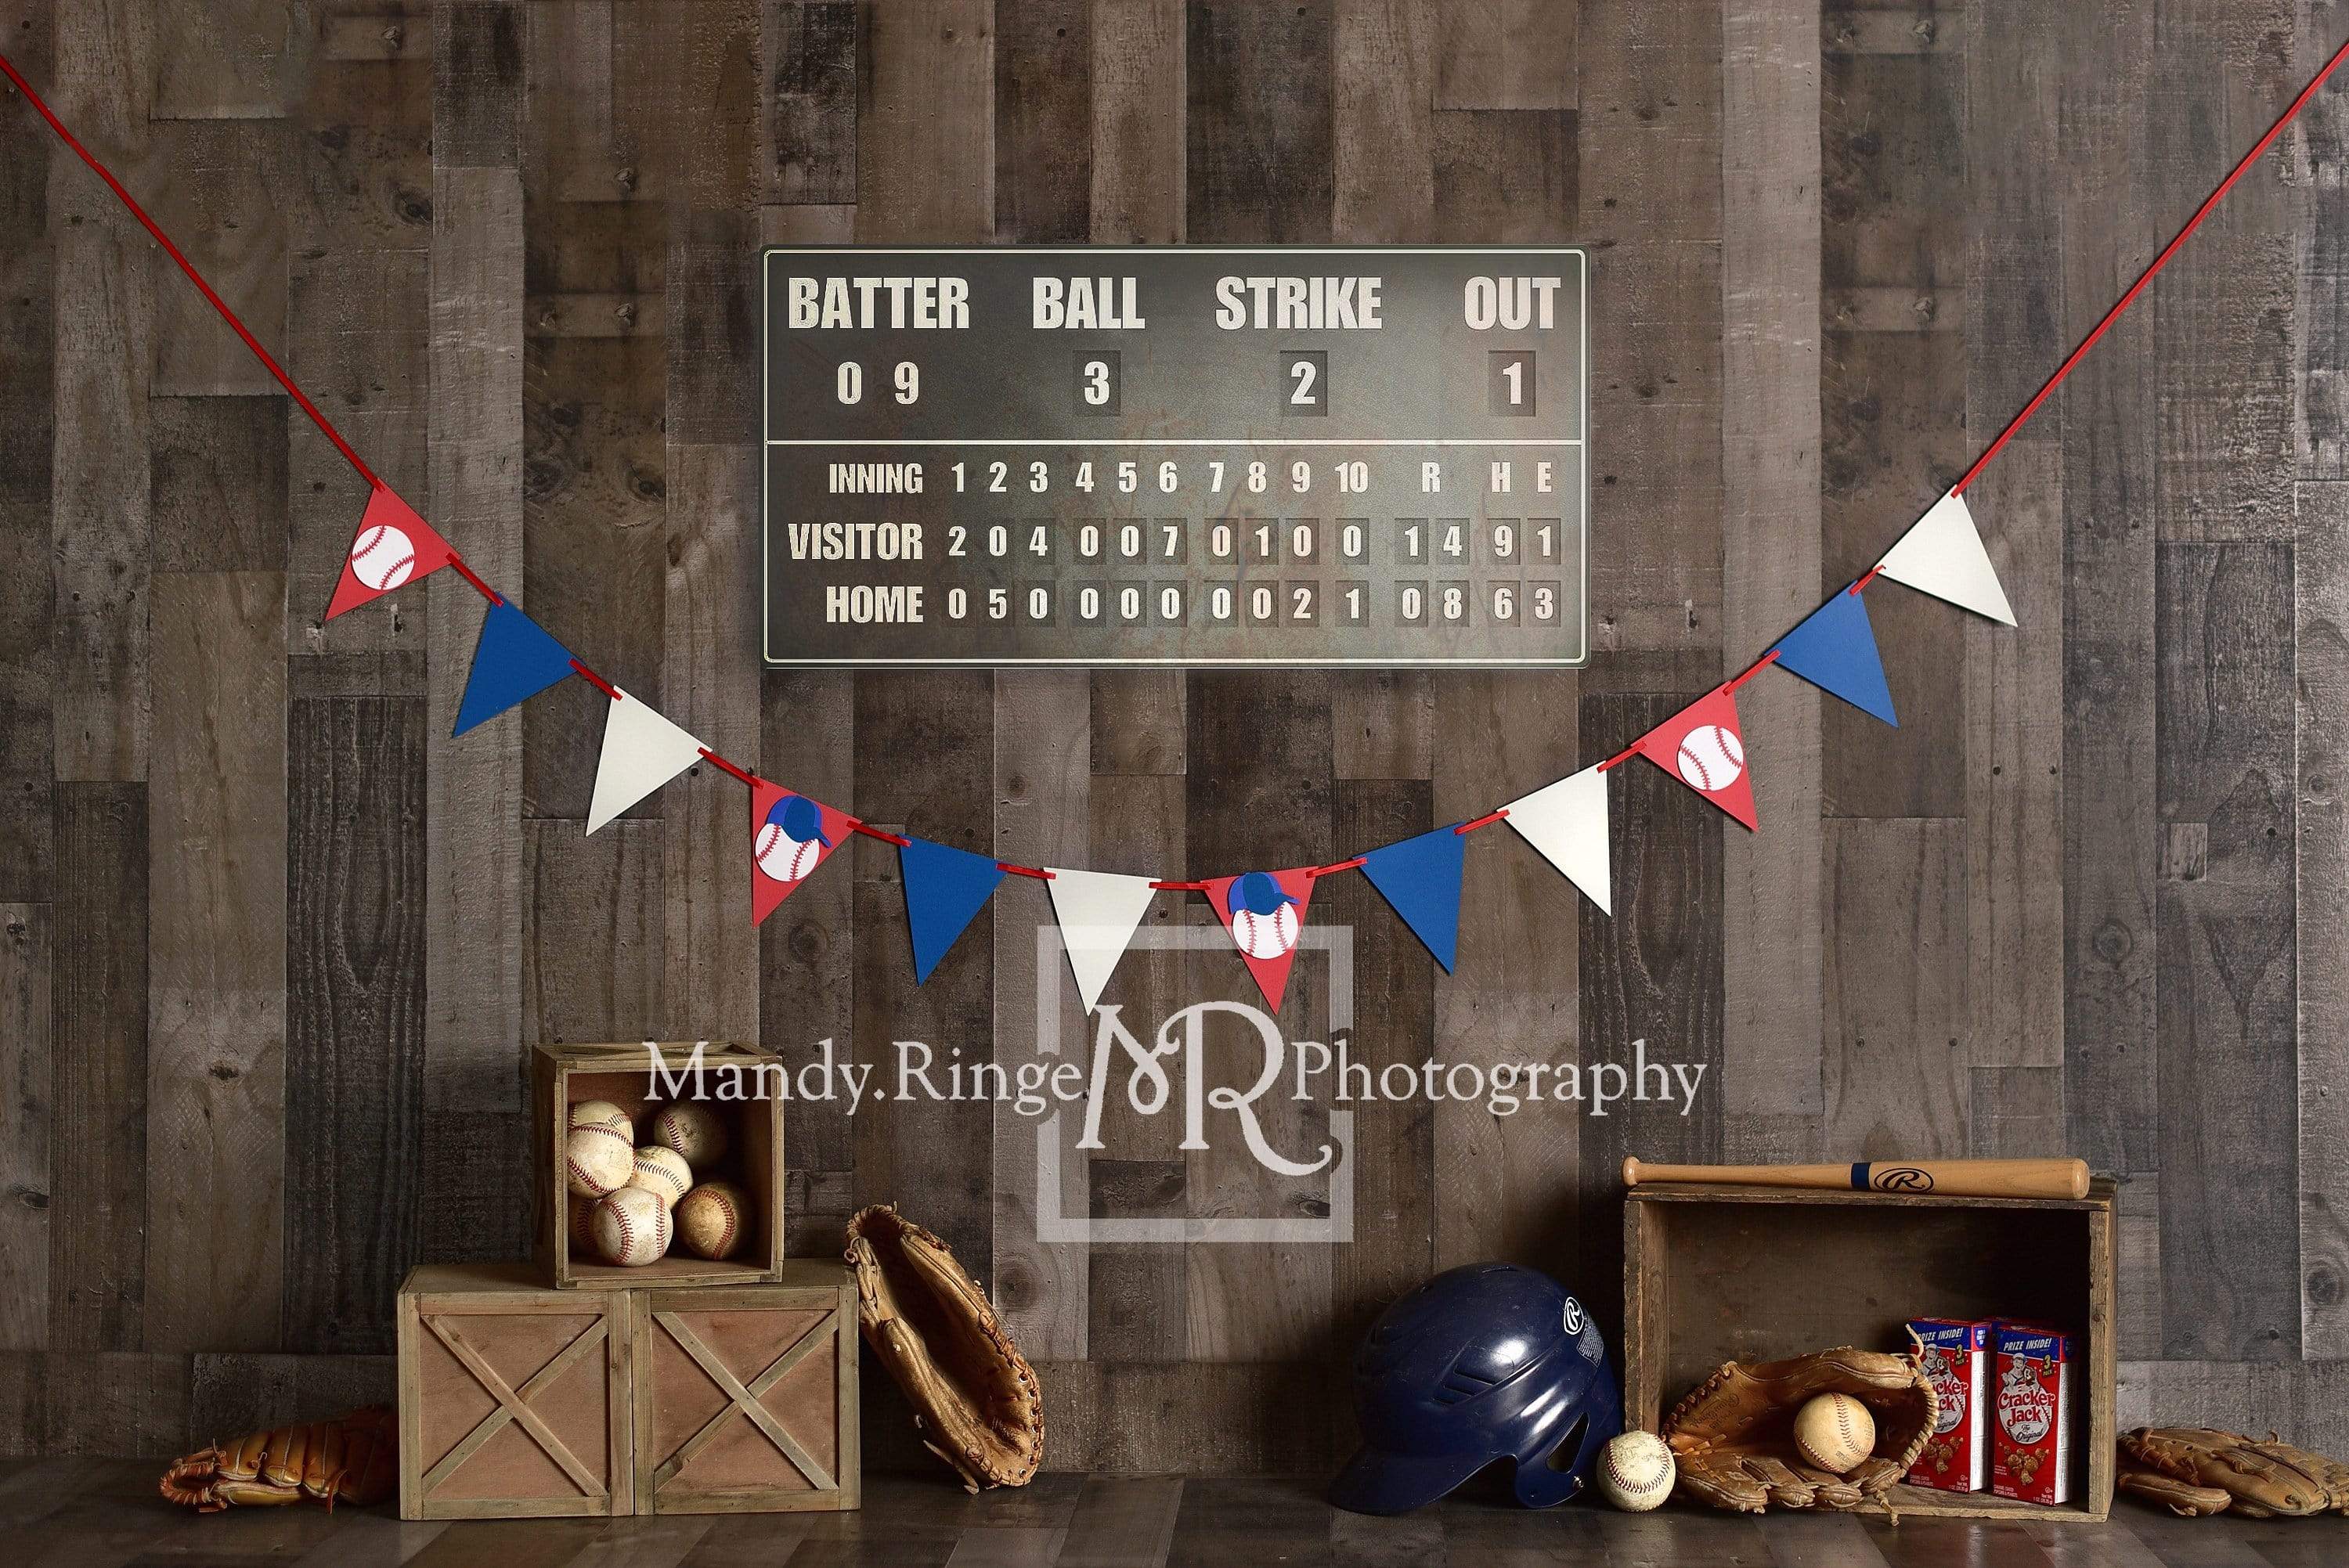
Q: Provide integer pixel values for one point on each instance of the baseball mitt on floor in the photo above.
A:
(353, 1461)
(1733, 1438)
(2196, 1470)
(975, 1397)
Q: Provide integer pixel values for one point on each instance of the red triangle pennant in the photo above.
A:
(1264, 914)
(1703, 747)
(393, 548)
(791, 835)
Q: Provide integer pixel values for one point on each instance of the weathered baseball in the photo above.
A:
(582, 1227)
(664, 1171)
(712, 1219)
(1636, 1472)
(1834, 1431)
(692, 1131)
(597, 1158)
(632, 1227)
(602, 1113)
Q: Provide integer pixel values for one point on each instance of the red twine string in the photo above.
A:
(598, 682)
(883, 834)
(457, 562)
(751, 780)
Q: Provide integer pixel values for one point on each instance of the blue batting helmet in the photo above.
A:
(1483, 1363)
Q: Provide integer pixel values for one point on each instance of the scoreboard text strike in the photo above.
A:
(1175, 455)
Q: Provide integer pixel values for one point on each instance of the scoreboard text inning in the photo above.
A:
(1175, 455)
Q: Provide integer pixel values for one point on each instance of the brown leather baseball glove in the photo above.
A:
(1733, 1438)
(975, 1397)
(352, 1459)
(2198, 1471)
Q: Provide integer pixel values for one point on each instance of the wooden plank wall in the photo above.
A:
(272, 949)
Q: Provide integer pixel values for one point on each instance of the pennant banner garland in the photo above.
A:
(1834, 650)
(1419, 880)
(642, 751)
(1566, 821)
(393, 548)
(944, 890)
(1098, 913)
(790, 836)
(1264, 914)
(515, 661)
(1702, 746)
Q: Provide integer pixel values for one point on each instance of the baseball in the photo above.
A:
(631, 1227)
(662, 1171)
(382, 556)
(712, 1218)
(598, 1158)
(1636, 1472)
(691, 1130)
(1265, 936)
(782, 857)
(602, 1113)
(1835, 1432)
(1711, 757)
(582, 1227)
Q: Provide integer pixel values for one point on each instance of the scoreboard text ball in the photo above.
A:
(1175, 455)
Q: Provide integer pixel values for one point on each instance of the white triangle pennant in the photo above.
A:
(1097, 914)
(1567, 821)
(642, 751)
(1942, 555)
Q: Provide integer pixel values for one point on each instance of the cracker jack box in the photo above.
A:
(2031, 1447)
(1957, 1356)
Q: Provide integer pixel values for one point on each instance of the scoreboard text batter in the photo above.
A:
(1114, 455)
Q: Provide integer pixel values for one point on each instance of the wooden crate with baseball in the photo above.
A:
(661, 1171)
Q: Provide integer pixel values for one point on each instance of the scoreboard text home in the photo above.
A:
(1185, 454)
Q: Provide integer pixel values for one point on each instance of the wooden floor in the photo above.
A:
(104, 1513)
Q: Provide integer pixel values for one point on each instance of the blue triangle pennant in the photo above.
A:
(1834, 650)
(944, 888)
(515, 660)
(1421, 877)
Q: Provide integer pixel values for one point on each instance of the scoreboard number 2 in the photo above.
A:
(1334, 456)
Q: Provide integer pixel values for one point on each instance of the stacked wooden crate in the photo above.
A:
(566, 1387)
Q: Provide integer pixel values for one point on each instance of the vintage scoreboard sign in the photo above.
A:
(1175, 455)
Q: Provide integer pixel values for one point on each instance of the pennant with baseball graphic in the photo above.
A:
(791, 835)
(1834, 650)
(1565, 822)
(393, 548)
(1419, 879)
(1097, 912)
(1702, 746)
(945, 889)
(1265, 913)
(515, 661)
(642, 751)
(1942, 555)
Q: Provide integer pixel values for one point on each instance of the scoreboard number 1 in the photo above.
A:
(1099, 456)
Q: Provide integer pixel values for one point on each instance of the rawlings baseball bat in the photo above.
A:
(1950, 1178)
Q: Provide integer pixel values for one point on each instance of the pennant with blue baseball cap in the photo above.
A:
(791, 835)
(944, 890)
(1421, 879)
(1834, 650)
(515, 661)
(1264, 914)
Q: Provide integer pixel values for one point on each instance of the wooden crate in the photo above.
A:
(514, 1399)
(562, 1075)
(1745, 1274)
(746, 1399)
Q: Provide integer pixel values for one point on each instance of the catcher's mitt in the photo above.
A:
(2196, 1470)
(1733, 1438)
(353, 1461)
(975, 1397)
